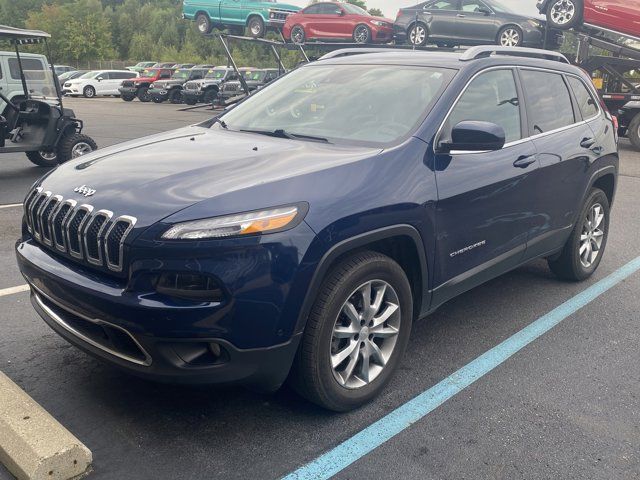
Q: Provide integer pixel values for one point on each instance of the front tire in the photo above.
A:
(89, 92)
(565, 14)
(418, 35)
(298, 36)
(583, 251)
(203, 23)
(362, 34)
(356, 333)
(74, 146)
(157, 99)
(128, 98)
(510, 36)
(43, 158)
(256, 27)
(143, 94)
(210, 96)
(175, 96)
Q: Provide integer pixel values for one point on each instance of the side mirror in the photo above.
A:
(475, 136)
(342, 13)
(99, 79)
(485, 11)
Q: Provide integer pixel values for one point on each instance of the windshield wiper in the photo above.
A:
(281, 133)
(222, 123)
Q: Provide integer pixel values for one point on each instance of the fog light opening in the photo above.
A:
(190, 286)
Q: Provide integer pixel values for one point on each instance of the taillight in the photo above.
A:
(398, 15)
(616, 124)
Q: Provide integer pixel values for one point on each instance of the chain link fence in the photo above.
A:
(101, 64)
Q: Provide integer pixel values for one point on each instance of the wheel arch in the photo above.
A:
(416, 22)
(402, 243)
(607, 183)
(255, 14)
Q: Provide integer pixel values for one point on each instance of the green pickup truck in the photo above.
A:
(236, 15)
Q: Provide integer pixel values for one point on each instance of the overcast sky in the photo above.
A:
(390, 7)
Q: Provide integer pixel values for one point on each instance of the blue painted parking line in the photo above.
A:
(378, 433)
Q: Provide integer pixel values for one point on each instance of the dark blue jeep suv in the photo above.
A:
(300, 234)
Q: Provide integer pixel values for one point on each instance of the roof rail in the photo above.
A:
(484, 51)
(345, 52)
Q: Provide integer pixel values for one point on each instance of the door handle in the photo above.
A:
(460, 15)
(588, 142)
(524, 161)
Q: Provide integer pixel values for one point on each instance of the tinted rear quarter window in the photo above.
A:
(586, 102)
(549, 101)
(30, 66)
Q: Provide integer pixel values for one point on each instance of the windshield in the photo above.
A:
(216, 74)
(148, 73)
(255, 75)
(39, 78)
(89, 75)
(353, 9)
(498, 7)
(353, 104)
(181, 74)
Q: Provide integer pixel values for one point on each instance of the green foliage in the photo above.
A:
(376, 12)
(86, 31)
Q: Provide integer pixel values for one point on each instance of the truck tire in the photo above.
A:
(128, 98)
(634, 131)
(565, 14)
(585, 247)
(74, 146)
(190, 101)
(344, 359)
(175, 96)
(143, 94)
(210, 96)
(256, 27)
(203, 23)
(43, 158)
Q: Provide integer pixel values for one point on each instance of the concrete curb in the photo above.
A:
(33, 444)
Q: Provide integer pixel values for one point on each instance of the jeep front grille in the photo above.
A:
(127, 84)
(76, 230)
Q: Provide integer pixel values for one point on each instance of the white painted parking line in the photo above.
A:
(10, 205)
(12, 290)
(33, 444)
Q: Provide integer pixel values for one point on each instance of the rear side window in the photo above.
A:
(491, 97)
(442, 5)
(549, 101)
(586, 102)
(33, 69)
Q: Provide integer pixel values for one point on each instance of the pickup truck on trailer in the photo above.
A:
(237, 15)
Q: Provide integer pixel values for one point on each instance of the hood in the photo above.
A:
(278, 6)
(157, 176)
(167, 83)
(383, 19)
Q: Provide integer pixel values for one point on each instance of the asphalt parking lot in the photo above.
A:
(566, 406)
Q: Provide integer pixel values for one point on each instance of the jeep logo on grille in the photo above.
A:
(84, 190)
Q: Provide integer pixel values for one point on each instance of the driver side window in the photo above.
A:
(442, 5)
(473, 6)
(491, 97)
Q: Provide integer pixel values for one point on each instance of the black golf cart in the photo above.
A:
(33, 119)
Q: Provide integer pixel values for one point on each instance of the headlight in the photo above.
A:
(534, 23)
(378, 23)
(257, 222)
(153, 85)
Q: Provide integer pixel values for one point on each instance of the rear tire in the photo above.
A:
(74, 146)
(89, 92)
(43, 158)
(157, 99)
(585, 247)
(128, 98)
(210, 96)
(634, 131)
(203, 23)
(190, 101)
(344, 361)
(565, 14)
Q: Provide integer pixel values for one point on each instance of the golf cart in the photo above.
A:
(33, 119)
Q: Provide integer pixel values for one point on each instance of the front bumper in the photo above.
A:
(159, 93)
(128, 90)
(242, 340)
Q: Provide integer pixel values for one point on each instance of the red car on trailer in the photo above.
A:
(337, 21)
(619, 16)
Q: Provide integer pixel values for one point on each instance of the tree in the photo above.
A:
(376, 12)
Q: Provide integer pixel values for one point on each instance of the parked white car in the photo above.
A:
(97, 82)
